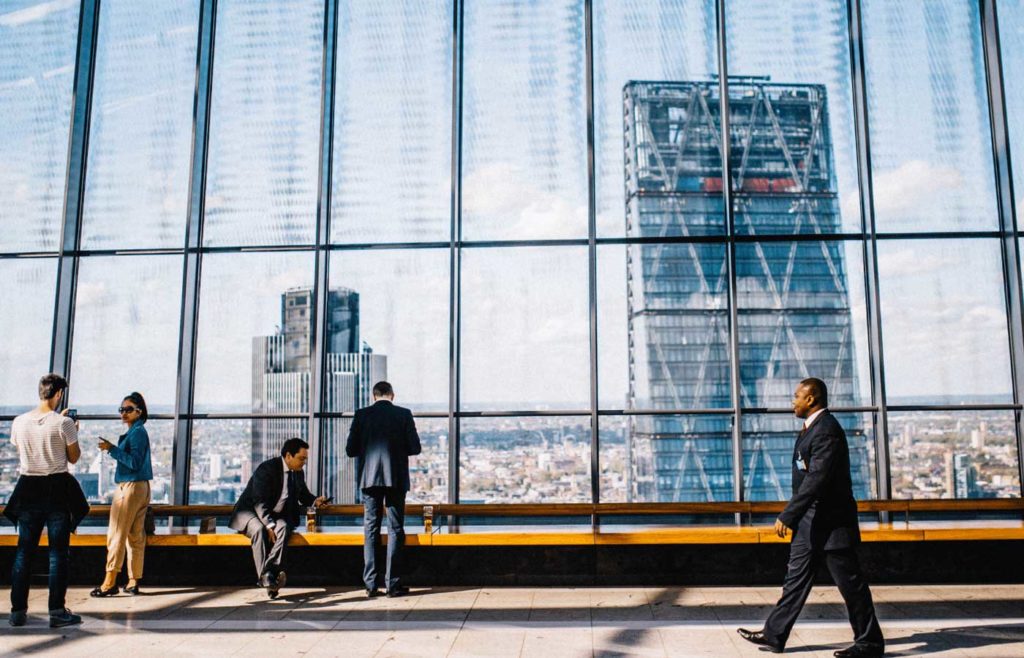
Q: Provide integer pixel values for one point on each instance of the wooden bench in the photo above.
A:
(600, 530)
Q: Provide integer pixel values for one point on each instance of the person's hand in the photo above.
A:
(105, 445)
(321, 501)
(65, 413)
(781, 529)
(272, 535)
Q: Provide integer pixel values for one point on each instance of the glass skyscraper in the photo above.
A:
(794, 309)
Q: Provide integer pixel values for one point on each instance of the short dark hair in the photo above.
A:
(818, 389)
(50, 384)
(292, 447)
(140, 402)
(382, 389)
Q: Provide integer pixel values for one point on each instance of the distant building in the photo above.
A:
(794, 310)
(282, 381)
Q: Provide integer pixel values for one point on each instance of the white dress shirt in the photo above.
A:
(284, 489)
(813, 417)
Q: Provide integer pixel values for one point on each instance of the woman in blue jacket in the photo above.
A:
(127, 526)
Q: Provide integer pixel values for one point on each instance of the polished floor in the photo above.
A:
(547, 622)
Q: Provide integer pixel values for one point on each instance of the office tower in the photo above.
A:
(793, 302)
(964, 476)
(216, 466)
(282, 381)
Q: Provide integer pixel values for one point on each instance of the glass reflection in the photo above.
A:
(127, 315)
(9, 463)
(393, 122)
(672, 44)
(957, 454)
(37, 67)
(932, 166)
(1011, 49)
(388, 319)
(26, 328)
(671, 458)
(524, 460)
(943, 321)
(263, 158)
(524, 121)
(524, 329)
(140, 136)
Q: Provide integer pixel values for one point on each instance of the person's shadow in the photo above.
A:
(925, 643)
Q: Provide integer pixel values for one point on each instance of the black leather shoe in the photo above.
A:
(276, 583)
(99, 592)
(134, 591)
(395, 592)
(758, 638)
(373, 593)
(859, 651)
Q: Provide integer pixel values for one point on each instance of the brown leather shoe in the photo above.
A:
(758, 638)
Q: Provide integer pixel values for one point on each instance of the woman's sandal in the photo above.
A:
(99, 592)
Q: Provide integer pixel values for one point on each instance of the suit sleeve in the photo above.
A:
(262, 503)
(823, 453)
(354, 445)
(412, 437)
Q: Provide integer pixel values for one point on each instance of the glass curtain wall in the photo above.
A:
(457, 196)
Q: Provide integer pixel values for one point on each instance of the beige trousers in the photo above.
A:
(127, 528)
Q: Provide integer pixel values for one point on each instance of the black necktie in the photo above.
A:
(290, 491)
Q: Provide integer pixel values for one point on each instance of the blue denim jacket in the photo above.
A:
(132, 455)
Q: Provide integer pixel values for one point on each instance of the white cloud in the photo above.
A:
(34, 13)
(913, 185)
(502, 197)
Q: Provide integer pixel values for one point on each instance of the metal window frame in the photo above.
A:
(192, 252)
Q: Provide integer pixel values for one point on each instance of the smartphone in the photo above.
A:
(328, 499)
(73, 414)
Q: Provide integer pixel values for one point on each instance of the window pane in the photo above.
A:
(140, 137)
(671, 124)
(1011, 44)
(666, 458)
(265, 123)
(524, 121)
(943, 322)
(95, 470)
(26, 329)
(768, 442)
(932, 167)
(525, 332)
(37, 67)
(802, 314)
(393, 122)
(962, 454)
(663, 335)
(428, 471)
(542, 459)
(794, 151)
(225, 452)
(252, 354)
(127, 315)
(389, 320)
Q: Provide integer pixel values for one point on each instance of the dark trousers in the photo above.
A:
(845, 570)
(266, 555)
(58, 532)
(375, 501)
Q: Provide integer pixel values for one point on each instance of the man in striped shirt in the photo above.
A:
(46, 495)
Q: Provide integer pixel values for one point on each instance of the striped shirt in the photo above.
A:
(42, 440)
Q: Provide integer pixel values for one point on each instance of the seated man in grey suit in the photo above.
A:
(268, 510)
(382, 438)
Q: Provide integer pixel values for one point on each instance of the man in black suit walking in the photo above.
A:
(823, 516)
(268, 511)
(382, 438)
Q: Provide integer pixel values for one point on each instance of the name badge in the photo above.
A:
(800, 465)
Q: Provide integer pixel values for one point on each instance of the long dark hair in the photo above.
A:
(139, 402)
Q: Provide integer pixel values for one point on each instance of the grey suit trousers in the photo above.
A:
(268, 557)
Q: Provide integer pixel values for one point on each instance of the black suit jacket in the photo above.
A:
(261, 495)
(382, 437)
(822, 510)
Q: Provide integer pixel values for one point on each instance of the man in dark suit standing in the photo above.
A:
(268, 511)
(823, 515)
(382, 438)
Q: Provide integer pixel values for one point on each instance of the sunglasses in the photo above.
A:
(127, 410)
